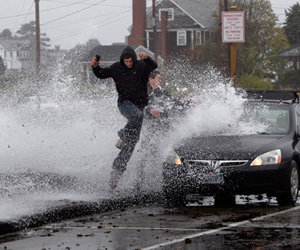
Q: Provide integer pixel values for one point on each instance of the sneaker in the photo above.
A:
(115, 176)
(120, 144)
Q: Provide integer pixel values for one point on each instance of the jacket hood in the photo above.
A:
(226, 147)
(128, 52)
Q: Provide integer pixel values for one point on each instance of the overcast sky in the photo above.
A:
(69, 22)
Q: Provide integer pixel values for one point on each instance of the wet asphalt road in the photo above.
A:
(257, 225)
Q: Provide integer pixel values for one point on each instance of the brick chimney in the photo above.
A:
(137, 36)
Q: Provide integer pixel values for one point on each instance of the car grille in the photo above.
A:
(213, 165)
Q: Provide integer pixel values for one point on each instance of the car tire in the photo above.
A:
(224, 199)
(290, 196)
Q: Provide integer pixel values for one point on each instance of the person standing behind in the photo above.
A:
(162, 107)
(130, 76)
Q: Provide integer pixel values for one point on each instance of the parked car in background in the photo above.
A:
(225, 165)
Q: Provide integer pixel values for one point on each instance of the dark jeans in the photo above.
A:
(130, 133)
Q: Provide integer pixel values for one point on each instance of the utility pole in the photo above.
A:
(228, 45)
(154, 30)
(37, 36)
(220, 36)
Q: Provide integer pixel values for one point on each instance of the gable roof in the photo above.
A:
(112, 53)
(187, 13)
(291, 51)
(10, 45)
(109, 52)
(202, 11)
(6, 44)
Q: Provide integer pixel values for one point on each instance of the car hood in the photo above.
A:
(226, 147)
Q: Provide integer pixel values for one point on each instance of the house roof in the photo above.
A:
(6, 44)
(201, 11)
(109, 52)
(112, 53)
(10, 45)
(187, 13)
(291, 51)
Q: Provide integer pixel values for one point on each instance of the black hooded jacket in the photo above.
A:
(131, 84)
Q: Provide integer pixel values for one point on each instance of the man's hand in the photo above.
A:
(143, 55)
(94, 62)
(154, 112)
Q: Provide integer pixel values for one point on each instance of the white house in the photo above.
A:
(17, 55)
(10, 53)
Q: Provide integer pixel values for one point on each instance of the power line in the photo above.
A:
(90, 18)
(50, 9)
(72, 22)
(96, 25)
(28, 12)
(82, 3)
(70, 34)
(19, 13)
(72, 3)
(73, 13)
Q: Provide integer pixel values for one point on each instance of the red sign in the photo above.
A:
(233, 27)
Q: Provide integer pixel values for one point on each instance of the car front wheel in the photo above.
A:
(290, 196)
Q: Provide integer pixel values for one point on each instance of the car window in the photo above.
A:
(273, 119)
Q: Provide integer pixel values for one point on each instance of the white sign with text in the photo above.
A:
(233, 27)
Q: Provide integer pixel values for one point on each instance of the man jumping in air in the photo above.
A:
(130, 76)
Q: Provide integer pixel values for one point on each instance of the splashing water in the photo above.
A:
(56, 153)
(66, 152)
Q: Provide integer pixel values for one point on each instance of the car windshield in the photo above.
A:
(269, 118)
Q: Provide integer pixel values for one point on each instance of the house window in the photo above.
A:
(207, 36)
(24, 54)
(170, 14)
(198, 38)
(181, 38)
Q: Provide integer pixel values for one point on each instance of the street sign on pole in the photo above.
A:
(233, 27)
(233, 31)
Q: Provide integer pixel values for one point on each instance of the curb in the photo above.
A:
(76, 209)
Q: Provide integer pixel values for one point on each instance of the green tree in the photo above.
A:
(290, 79)
(6, 35)
(28, 32)
(258, 55)
(254, 82)
(2, 67)
(292, 24)
(80, 53)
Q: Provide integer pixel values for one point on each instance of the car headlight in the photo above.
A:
(272, 157)
(173, 158)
